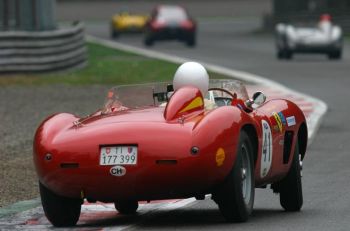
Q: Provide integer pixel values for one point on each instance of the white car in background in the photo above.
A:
(325, 38)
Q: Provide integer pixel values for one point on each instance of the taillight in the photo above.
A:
(187, 24)
(157, 24)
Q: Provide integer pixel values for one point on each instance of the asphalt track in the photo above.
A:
(326, 175)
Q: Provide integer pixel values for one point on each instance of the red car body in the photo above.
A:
(170, 23)
(184, 150)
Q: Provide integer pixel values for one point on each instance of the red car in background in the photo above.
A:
(170, 23)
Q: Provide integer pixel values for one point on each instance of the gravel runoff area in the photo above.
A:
(22, 108)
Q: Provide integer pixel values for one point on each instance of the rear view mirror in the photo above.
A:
(259, 98)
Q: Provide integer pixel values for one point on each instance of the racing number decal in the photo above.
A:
(266, 157)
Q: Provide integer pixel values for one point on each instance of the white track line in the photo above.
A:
(162, 207)
(313, 121)
(20, 220)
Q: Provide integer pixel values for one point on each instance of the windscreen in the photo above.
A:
(171, 13)
(135, 96)
(158, 94)
(234, 86)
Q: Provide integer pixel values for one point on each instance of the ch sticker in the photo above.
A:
(117, 171)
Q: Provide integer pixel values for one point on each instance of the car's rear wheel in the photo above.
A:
(290, 188)
(235, 196)
(284, 54)
(191, 41)
(288, 54)
(335, 55)
(60, 211)
(126, 207)
(149, 41)
(114, 32)
(280, 54)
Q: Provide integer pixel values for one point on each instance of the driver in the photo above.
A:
(192, 74)
(325, 23)
(195, 75)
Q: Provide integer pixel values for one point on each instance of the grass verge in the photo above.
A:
(105, 66)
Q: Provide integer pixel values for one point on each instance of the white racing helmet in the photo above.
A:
(192, 74)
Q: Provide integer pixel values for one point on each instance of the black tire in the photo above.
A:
(148, 41)
(335, 55)
(235, 197)
(290, 188)
(191, 41)
(288, 54)
(280, 54)
(284, 54)
(114, 32)
(126, 207)
(60, 211)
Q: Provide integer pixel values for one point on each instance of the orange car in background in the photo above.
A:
(125, 22)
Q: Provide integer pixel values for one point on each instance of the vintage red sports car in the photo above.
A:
(150, 143)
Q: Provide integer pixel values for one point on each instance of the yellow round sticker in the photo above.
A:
(220, 157)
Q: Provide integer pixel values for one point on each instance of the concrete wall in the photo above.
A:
(27, 15)
(28, 51)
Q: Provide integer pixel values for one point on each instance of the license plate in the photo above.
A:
(118, 155)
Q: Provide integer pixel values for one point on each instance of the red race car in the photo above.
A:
(169, 22)
(149, 142)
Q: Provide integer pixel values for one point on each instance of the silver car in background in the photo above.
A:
(325, 38)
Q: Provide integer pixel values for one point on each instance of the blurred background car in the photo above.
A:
(126, 22)
(325, 38)
(170, 22)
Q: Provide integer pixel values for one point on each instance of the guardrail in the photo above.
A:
(22, 51)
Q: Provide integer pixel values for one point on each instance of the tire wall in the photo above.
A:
(54, 50)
